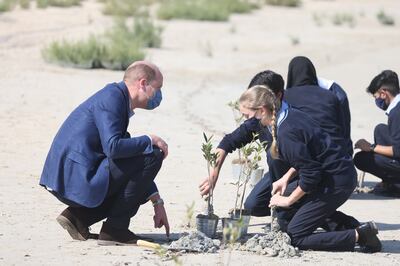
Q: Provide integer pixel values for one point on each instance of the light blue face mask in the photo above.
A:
(154, 101)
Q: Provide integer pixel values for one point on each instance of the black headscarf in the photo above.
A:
(301, 72)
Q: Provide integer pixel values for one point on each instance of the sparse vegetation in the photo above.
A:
(58, 3)
(385, 19)
(125, 7)
(318, 19)
(289, 3)
(115, 49)
(7, 5)
(294, 40)
(203, 9)
(344, 18)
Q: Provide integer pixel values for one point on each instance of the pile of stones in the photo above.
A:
(275, 243)
(195, 242)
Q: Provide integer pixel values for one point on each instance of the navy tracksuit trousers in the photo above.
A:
(313, 211)
(386, 168)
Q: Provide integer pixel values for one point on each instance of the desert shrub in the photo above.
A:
(385, 19)
(57, 3)
(203, 9)
(125, 7)
(289, 3)
(115, 49)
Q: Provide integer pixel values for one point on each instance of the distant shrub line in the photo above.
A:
(115, 49)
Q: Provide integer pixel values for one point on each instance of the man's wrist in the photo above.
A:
(158, 202)
(372, 147)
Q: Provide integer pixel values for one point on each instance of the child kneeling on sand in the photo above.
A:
(327, 176)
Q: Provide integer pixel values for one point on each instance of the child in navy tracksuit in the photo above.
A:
(326, 107)
(326, 174)
(382, 158)
(259, 197)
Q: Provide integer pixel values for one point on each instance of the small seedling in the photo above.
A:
(166, 255)
(189, 214)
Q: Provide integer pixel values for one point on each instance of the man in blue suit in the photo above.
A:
(98, 170)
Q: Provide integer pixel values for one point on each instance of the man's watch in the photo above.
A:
(372, 147)
(160, 201)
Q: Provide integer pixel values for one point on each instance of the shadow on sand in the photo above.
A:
(391, 246)
(387, 227)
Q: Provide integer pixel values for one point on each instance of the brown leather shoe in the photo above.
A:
(75, 225)
(111, 236)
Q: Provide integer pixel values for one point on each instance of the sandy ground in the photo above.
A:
(205, 65)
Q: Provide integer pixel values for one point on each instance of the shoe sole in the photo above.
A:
(113, 243)
(70, 227)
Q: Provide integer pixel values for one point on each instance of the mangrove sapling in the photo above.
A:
(211, 158)
(252, 157)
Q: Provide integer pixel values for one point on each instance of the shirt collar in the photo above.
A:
(283, 112)
(130, 112)
(325, 83)
(393, 104)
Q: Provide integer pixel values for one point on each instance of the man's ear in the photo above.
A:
(142, 83)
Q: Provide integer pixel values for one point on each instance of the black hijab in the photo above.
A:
(301, 72)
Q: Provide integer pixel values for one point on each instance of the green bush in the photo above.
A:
(203, 9)
(115, 49)
(58, 3)
(385, 19)
(80, 54)
(289, 3)
(7, 5)
(25, 4)
(125, 7)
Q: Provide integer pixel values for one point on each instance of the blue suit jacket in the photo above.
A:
(77, 166)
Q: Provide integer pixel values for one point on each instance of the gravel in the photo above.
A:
(195, 242)
(271, 244)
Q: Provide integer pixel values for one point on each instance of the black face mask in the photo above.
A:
(381, 104)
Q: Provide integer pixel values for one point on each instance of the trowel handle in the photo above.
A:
(147, 244)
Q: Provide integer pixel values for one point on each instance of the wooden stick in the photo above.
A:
(147, 244)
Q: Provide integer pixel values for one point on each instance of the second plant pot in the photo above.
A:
(207, 224)
(243, 220)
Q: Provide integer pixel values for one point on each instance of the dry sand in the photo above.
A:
(205, 65)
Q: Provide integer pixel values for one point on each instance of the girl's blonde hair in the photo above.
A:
(262, 96)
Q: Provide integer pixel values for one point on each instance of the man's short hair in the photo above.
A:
(269, 78)
(139, 71)
(387, 79)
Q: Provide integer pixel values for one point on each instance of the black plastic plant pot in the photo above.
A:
(207, 224)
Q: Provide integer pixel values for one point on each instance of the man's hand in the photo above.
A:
(280, 201)
(205, 186)
(159, 142)
(363, 145)
(160, 218)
